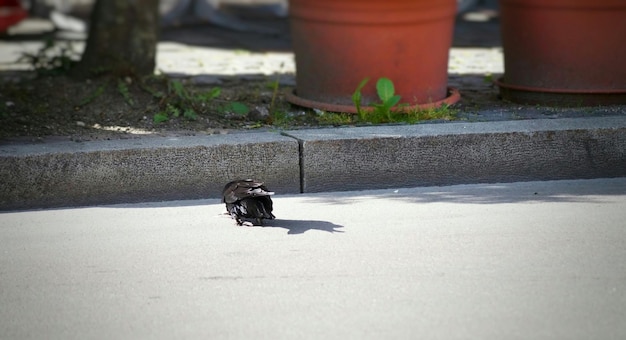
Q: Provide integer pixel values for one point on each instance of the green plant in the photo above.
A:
(356, 98)
(488, 78)
(443, 112)
(387, 96)
(95, 94)
(122, 88)
(171, 110)
(52, 58)
(160, 117)
(179, 101)
(280, 118)
(143, 84)
(176, 87)
(334, 119)
(190, 114)
(237, 108)
(209, 95)
(382, 111)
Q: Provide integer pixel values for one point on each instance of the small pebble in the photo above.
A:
(258, 113)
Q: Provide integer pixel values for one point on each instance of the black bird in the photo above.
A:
(248, 199)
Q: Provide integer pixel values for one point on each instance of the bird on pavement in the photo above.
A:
(248, 200)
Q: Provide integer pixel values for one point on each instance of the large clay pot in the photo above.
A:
(11, 13)
(564, 52)
(338, 43)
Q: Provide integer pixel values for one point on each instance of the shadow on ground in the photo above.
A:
(301, 226)
(293, 227)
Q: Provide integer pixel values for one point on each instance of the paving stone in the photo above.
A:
(74, 174)
(443, 154)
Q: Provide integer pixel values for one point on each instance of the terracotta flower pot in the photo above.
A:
(338, 43)
(564, 52)
(11, 13)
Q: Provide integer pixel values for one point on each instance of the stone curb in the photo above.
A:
(154, 169)
(461, 153)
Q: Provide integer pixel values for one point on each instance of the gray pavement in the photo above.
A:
(533, 260)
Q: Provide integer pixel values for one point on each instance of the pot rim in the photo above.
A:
(501, 83)
(567, 4)
(559, 97)
(452, 97)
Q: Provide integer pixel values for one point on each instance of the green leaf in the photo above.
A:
(239, 108)
(160, 117)
(392, 101)
(488, 78)
(190, 114)
(209, 95)
(173, 110)
(122, 88)
(215, 92)
(155, 93)
(178, 88)
(272, 85)
(356, 97)
(385, 89)
(92, 96)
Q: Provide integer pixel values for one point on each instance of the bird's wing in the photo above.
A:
(260, 191)
(228, 194)
(238, 190)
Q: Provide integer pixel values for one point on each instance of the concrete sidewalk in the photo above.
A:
(535, 260)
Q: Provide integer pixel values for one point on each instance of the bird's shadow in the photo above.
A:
(301, 226)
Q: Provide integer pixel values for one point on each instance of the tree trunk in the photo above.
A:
(122, 39)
